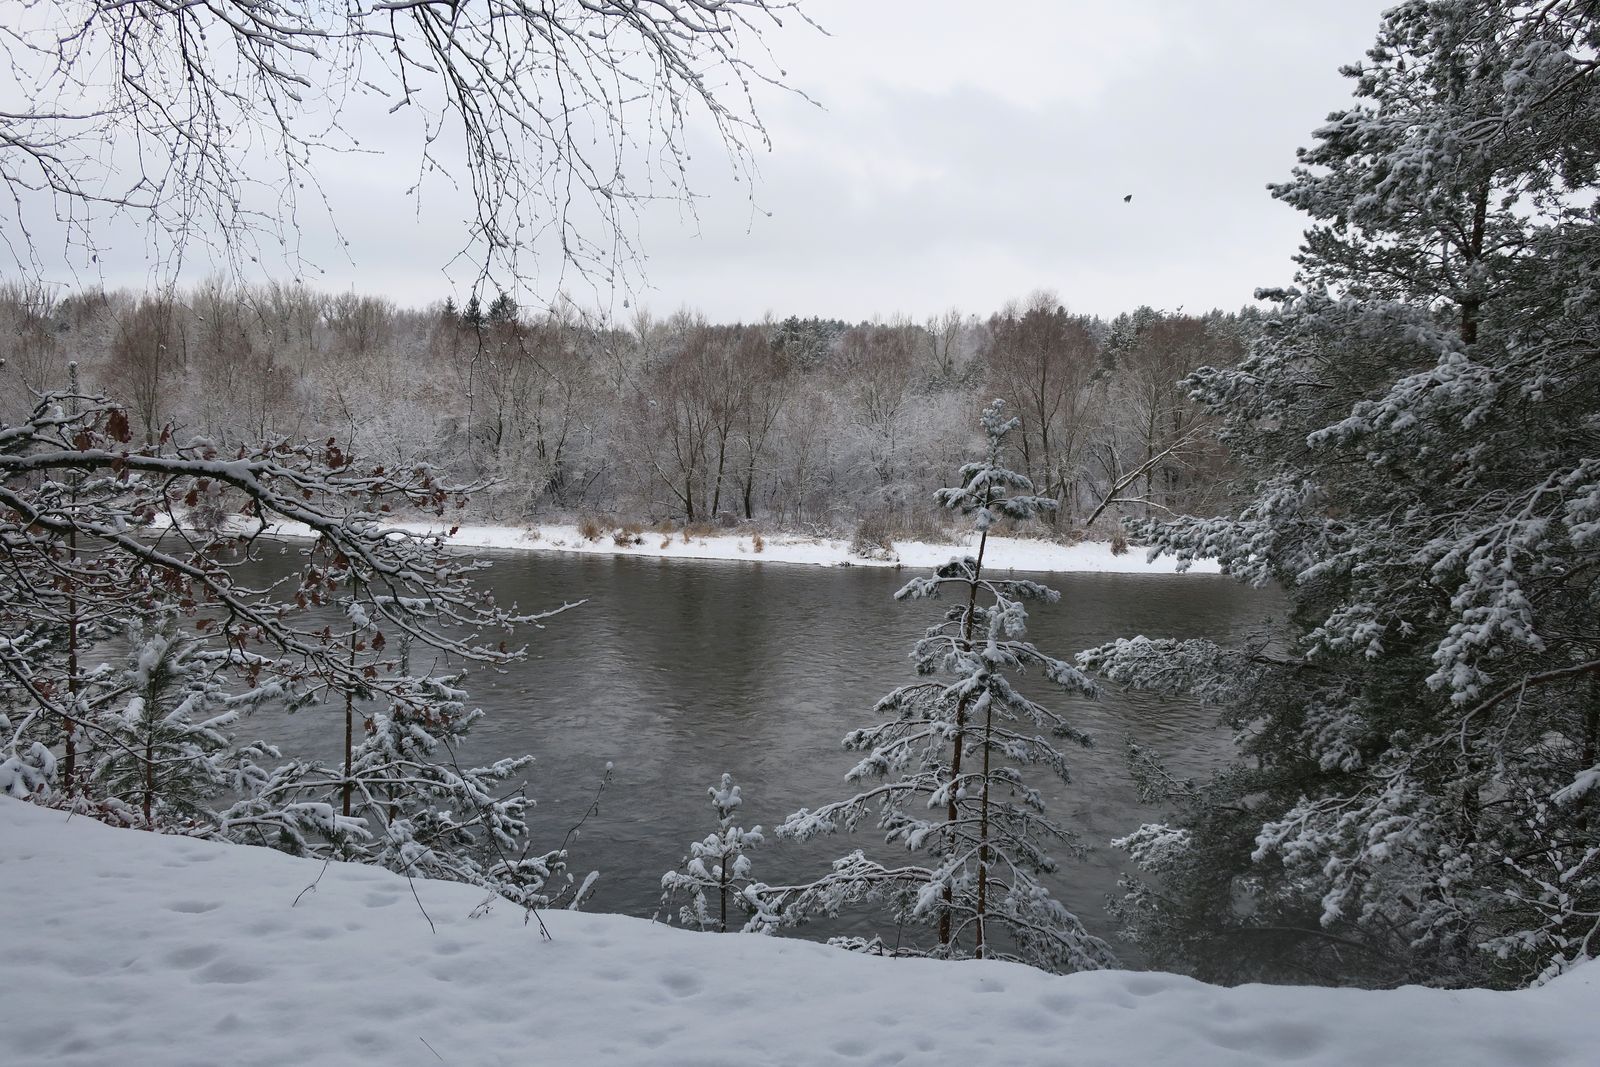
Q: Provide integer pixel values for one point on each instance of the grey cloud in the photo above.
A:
(930, 181)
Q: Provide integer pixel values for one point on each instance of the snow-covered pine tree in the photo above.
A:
(163, 753)
(401, 798)
(1415, 801)
(91, 524)
(719, 865)
(64, 594)
(947, 768)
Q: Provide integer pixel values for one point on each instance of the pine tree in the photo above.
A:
(1420, 446)
(502, 310)
(720, 865)
(165, 752)
(949, 765)
(400, 797)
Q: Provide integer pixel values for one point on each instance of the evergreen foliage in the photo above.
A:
(1419, 426)
(720, 865)
(165, 752)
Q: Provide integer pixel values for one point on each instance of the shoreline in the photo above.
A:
(1003, 553)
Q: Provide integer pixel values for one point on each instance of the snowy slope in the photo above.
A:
(130, 949)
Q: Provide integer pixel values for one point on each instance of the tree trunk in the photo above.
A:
(149, 770)
(983, 831)
(749, 486)
(69, 766)
(69, 769)
(716, 497)
(349, 729)
(1471, 304)
(1591, 726)
(951, 812)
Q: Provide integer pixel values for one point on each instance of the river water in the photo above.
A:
(676, 671)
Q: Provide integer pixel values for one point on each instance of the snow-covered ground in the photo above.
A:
(126, 948)
(1002, 553)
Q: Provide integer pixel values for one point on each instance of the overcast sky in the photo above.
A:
(970, 153)
(963, 154)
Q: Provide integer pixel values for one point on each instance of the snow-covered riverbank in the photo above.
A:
(123, 947)
(1005, 553)
(1002, 553)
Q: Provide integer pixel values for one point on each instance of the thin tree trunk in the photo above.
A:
(716, 498)
(951, 814)
(149, 771)
(1470, 305)
(70, 725)
(349, 729)
(749, 485)
(1149, 457)
(983, 829)
(1591, 726)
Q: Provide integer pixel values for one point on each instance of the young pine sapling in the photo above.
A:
(719, 866)
(948, 763)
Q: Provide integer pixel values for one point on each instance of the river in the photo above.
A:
(676, 671)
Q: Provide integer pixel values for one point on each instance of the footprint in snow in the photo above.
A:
(193, 907)
(192, 956)
(231, 972)
(680, 984)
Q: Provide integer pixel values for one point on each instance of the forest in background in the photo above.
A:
(811, 424)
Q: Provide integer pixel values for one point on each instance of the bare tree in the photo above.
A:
(569, 114)
(360, 324)
(289, 316)
(764, 393)
(879, 362)
(724, 378)
(944, 344)
(1042, 360)
(1158, 449)
(224, 346)
(675, 408)
(27, 335)
(803, 455)
(145, 360)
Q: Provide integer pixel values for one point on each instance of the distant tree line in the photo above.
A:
(800, 422)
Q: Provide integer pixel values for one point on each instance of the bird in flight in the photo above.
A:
(1128, 199)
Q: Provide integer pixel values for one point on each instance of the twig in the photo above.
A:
(312, 887)
(412, 884)
(592, 809)
(529, 909)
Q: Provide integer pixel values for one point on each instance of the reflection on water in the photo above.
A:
(679, 670)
